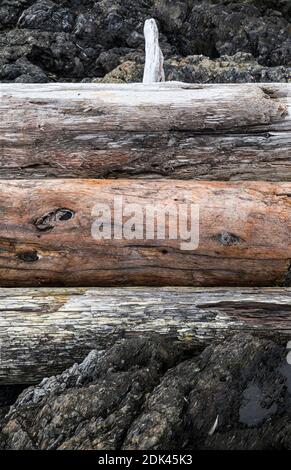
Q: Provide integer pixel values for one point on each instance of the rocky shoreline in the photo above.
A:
(145, 394)
(202, 41)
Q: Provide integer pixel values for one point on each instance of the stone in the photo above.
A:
(145, 394)
(48, 16)
(240, 68)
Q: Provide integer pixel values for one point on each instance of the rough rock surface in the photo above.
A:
(142, 394)
(48, 40)
(240, 68)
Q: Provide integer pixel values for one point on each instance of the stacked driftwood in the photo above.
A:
(66, 147)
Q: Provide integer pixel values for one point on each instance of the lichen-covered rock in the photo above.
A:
(126, 72)
(240, 68)
(142, 394)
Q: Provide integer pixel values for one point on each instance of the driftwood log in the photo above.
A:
(44, 331)
(154, 60)
(46, 234)
(171, 130)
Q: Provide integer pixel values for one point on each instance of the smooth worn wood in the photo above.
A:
(170, 130)
(46, 239)
(154, 60)
(44, 331)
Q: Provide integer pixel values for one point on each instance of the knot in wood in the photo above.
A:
(50, 219)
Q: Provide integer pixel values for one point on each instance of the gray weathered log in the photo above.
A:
(172, 130)
(43, 331)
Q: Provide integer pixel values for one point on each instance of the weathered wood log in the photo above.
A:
(46, 233)
(43, 331)
(173, 130)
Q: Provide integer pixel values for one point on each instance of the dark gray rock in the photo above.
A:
(91, 405)
(279, 6)
(45, 15)
(245, 385)
(142, 394)
(86, 27)
(22, 71)
(10, 10)
(225, 28)
(54, 53)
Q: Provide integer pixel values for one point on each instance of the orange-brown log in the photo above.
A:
(46, 240)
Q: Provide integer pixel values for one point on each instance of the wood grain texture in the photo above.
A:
(154, 59)
(170, 130)
(44, 331)
(46, 240)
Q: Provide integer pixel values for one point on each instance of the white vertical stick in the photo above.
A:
(154, 62)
